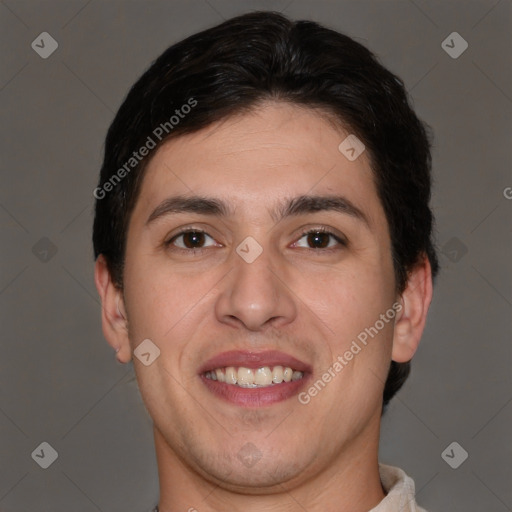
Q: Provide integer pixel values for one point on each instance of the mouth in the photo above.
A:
(254, 379)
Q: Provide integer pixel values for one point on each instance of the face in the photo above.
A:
(238, 283)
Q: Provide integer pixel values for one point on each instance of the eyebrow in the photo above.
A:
(295, 206)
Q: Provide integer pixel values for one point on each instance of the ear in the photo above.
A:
(113, 313)
(410, 320)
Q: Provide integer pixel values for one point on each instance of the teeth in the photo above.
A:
(296, 375)
(263, 376)
(277, 375)
(245, 377)
(230, 373)
(248, 378)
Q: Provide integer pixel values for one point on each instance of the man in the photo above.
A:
(263, 244)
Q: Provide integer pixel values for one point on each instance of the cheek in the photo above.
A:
(167, 305)
(349, 301)
(153, 299)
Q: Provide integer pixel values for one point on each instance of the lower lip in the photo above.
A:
(254, 397)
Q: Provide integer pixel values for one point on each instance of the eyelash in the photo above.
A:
(199, 250)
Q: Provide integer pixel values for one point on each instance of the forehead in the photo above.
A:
(253, 160)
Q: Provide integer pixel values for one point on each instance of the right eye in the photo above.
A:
(191, 239)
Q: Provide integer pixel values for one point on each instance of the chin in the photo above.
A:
(250, 471)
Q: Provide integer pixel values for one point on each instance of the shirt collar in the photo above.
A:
(400, 491)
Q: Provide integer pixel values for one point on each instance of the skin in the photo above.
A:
(294, 297)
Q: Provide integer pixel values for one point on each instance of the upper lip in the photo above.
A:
(254, 360)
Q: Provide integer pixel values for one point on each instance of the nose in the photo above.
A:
(257, 294)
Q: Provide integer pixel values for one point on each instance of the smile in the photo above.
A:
(254, 378)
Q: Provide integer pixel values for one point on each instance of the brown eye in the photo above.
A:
(191, 239)
(318, 240)
(321, 239)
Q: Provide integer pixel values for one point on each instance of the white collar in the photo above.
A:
(400, 491)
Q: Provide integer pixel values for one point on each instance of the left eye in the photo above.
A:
(320, 239)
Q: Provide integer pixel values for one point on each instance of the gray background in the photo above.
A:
(59, 382)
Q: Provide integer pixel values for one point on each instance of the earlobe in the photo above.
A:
(113, 314)
(411, 320)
